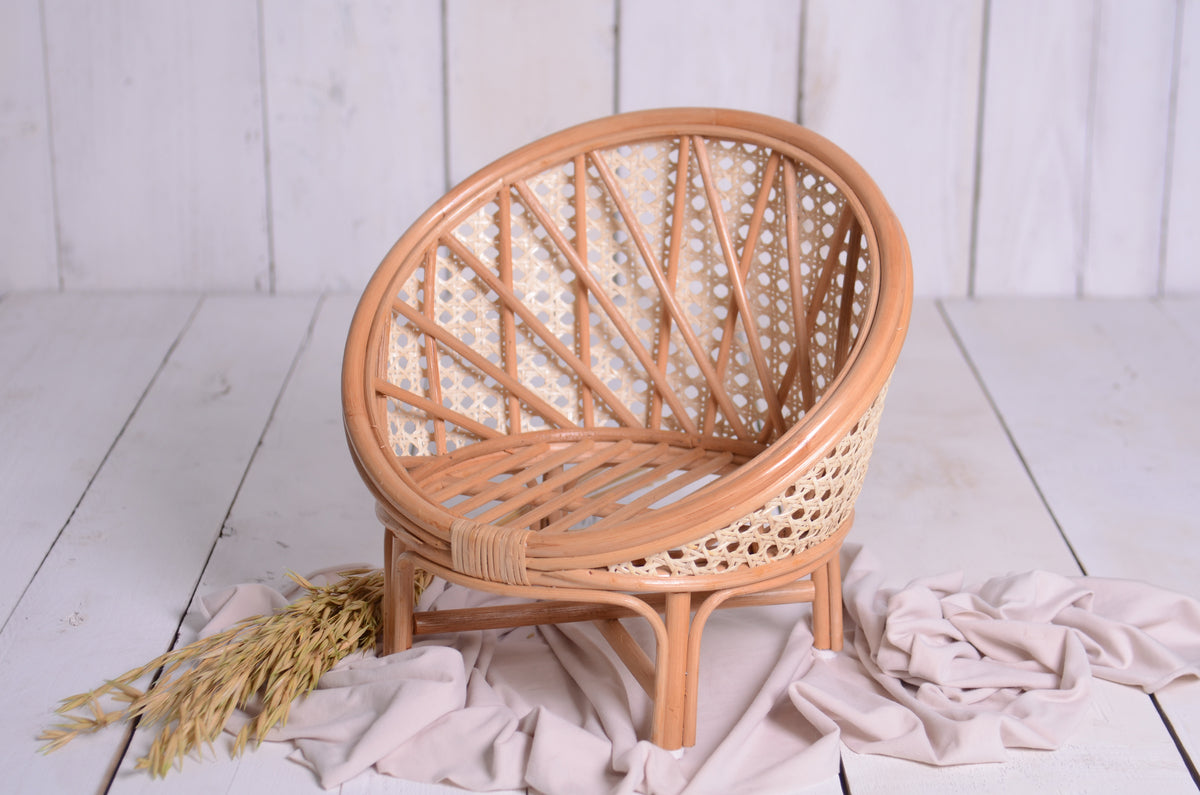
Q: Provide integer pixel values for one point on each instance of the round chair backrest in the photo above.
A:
(712, 274)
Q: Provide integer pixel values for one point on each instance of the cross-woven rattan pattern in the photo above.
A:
(545, 283)
(710, 288)
(806, 514)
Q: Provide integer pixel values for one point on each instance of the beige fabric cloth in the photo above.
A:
(934, 672)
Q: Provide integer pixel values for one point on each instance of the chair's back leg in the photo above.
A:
(835, 600)
(820, 607)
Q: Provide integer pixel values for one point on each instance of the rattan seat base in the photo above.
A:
(596, 479)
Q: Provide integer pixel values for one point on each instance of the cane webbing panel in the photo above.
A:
(796, 363)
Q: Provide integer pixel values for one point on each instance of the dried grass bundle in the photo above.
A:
(268, 660)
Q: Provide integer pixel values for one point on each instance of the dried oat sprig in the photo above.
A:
(271, 660)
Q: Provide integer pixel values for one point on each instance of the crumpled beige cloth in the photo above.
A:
(932, 672)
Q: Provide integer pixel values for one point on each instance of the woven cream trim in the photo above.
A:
(806, 514)
(489, 552)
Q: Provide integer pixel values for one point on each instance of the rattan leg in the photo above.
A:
(835, 601)
(678, 619)
(398, 587)
(821, 634)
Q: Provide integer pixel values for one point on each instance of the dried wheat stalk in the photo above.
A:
(270, 659)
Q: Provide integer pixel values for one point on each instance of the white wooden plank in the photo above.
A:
(302, 507)
(677, 53)
(113, 588)
(72, 368)
(946, 491)
(1033, 150)
(1102, 404)
(157, 116)
(523, 69)
(896, 84)
(1128, 154)
(1180, 701)
(1104, 413)
(28, 256)
(1185, 314)
(1181, 273)
(355, 120)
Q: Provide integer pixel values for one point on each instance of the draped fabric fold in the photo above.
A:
(936, 672)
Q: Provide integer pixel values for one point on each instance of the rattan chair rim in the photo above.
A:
(847, 398)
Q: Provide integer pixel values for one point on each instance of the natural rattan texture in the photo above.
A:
(645, 354)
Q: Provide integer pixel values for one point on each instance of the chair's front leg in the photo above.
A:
(398, 595)
(678, 621)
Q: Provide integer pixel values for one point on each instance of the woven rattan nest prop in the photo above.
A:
(634, 368)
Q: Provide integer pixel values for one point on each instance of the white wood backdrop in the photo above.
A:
(281, 146)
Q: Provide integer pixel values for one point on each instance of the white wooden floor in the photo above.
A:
(156, 447)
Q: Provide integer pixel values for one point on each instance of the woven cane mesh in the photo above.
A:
(543, 280)
(807, 513)
(603, 292)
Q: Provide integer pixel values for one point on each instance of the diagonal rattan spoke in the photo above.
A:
(508, 329)
(556, 483)
(849, 282)
(504, 488)
(588, 496)
(510, 461)
(508, 298)
(716, 388)
(801, 359)
(583, 327)
(817, 301)
(657, 377)
(803, 354)
(435, 410)
(607, 502)
(673, 252)
(664, 490)
(516, 389)
(738, 273)
(431, 358)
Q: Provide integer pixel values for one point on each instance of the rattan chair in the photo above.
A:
(633, 369)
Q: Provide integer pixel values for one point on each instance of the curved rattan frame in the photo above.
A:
(579, 565)
(861, 379)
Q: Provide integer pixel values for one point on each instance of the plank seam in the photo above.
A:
(445, 42)
(980, 112)
(1179, 746)
(616, 75)
(800, 53)
(104, 460)
(1085, 211)
(1172, 112)
(123, 749)
(268, 193)
(58, 265)
(1012, 440)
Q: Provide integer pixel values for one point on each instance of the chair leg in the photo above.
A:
(821, 606)
(398, 588)
(678, 621)
(835, 602)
